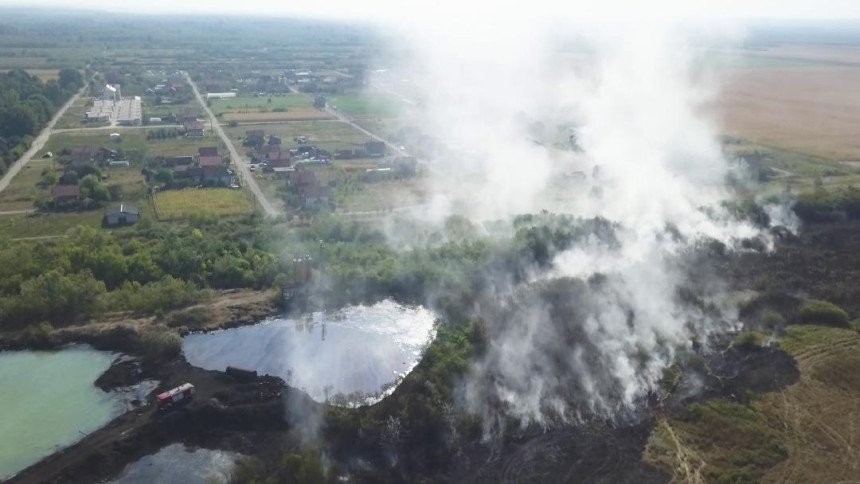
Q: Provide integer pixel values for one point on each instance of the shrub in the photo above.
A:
(749, 339)
(159, 345)
(822, 312)
(771, 318)
(38, 335)
(855, 325)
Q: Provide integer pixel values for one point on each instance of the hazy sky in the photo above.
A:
(404, 9)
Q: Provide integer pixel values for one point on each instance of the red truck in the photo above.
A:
(178, 395)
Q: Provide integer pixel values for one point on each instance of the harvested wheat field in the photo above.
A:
(814, 110)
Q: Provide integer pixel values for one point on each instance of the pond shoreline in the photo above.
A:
(228, 415)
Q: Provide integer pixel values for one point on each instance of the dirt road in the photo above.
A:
(39, 142)
(239, 161)
(346, 120)
(114, 128)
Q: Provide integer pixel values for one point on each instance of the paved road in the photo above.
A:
(239, 161)
(39, 142)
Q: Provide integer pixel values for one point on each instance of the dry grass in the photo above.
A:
(293, 114)
(178, 204)
(814, 110)
(816, 420)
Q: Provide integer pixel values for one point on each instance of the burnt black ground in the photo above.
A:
(823, 262)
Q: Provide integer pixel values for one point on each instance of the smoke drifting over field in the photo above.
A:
(592, 334)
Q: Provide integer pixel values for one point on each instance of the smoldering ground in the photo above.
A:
(586, 327)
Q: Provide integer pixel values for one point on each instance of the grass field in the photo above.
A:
(178, 204)
(365, 104)
(132, 141)
(22, 190)
(161, 110)
(293, 114)
(383, 195)
(73, 117)
(807, 432)
(46, 225)
(329, 135)
(247, 104)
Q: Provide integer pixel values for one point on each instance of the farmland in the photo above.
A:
(814, 109)
(178, 204)
(293, 114)
(329, 135)
(261, 103)
(365, 104)
(45, 74)
(132, 142)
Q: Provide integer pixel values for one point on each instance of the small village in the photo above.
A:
(141, 149)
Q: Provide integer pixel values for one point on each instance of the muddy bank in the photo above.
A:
(227, 309)
(249, 418)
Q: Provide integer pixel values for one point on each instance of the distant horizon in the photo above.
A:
(804, 11)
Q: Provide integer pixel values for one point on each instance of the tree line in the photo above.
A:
(27, 105)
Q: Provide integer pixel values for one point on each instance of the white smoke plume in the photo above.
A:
(502, 97)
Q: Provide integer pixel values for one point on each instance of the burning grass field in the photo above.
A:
(812, 107)
(179, 204)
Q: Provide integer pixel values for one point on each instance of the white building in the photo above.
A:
(111, 93)
(220, 95)
(101, 112)
(129, 112)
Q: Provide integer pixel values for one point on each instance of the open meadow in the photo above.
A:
(179, 204)
(46, 224)
(364, 105)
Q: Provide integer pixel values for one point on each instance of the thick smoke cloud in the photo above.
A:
(592, 334)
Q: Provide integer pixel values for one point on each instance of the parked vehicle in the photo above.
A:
(176, 396)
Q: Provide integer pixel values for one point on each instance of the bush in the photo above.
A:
(771, 318)
(749, 339)
(822, 312)
(38, 336)
(233, 123)
(855, 325)
(159, 344)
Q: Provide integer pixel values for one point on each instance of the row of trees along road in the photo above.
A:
(27, 105)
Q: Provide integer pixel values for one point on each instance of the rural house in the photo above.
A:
(315, 195)
(254, 137)
(121, 215)
(216, 176)
(82, 154)
(204, 161)
(174, 161)
(302, 178)
(65, 194)
(375, 148)
(193, 128)
(274, 140)
(207, 151)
